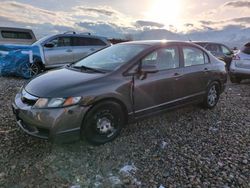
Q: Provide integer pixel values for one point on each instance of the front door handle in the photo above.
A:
(177, 74)
(205, 70)
(69, 50)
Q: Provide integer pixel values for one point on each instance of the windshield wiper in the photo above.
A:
(82, 67)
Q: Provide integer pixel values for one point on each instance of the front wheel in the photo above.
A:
(103, 123)
(29, 70)
(212, 96)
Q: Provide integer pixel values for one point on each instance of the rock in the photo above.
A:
(187, 147)
(244, 161)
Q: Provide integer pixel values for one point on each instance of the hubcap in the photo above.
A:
(30, 69)
(212, 96)
(104, 125)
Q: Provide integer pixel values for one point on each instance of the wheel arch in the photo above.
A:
(215, 81)
(37, 59)
(107, 99)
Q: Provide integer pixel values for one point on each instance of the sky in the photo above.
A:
(132, 18)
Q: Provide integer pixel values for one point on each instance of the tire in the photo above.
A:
(29, 70)
(103, 123)
(234, 79)
(212, 96)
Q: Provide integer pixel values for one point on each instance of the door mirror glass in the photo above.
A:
(49, 45)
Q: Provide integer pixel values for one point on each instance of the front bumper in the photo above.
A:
(55, 124)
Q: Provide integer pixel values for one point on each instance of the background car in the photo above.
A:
(97, 96)
(48, 52)
(240, 66)
(220, 51)
(11, 35)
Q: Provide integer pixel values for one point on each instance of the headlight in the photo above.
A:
(56, 102)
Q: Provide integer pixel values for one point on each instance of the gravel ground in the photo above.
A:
(188, 147)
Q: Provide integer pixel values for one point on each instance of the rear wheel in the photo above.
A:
(103, 123)
(235, 79)
(212, 95)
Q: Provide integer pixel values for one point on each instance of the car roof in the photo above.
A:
(157, 42)
(80, 35)
(206, 42)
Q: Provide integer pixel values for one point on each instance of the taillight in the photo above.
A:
(236, 57)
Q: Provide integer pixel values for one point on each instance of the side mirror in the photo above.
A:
(147, 69)
(49, 45)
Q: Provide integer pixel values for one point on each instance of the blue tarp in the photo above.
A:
(16, 59)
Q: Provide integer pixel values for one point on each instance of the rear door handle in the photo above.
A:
(69, 50)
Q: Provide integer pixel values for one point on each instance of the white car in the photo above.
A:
(240, 66)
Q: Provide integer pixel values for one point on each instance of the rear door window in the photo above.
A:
(84, 41)
(194, 56)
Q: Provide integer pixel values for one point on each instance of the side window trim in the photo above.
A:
(206, 56)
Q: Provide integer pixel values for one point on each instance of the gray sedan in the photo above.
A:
(95, 97)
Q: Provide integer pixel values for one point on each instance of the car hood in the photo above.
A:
(61, 83)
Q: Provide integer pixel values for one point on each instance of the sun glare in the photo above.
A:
(165, 11)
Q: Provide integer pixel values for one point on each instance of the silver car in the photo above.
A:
(57, 50)
(48, 52)
(240, 66)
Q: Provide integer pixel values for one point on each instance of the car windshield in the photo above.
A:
(112, 57)
(41, 40)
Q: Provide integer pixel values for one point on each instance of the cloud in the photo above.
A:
(106, 21)
(189, 25)
(46, 22)
(242, 20)
(238, 4)
(107, 29)
(27, 14)
(96, 10)
(207, 22)
(143, 23)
